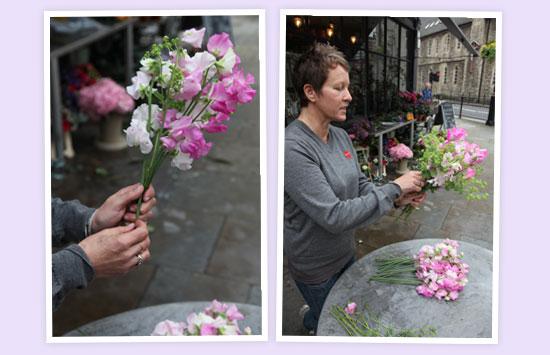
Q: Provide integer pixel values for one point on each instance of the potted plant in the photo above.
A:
(107, 102)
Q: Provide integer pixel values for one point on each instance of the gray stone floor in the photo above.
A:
(206, 234)
(445, 214)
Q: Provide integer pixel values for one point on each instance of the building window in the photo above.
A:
(430, 47)
(455, 76)
(436, 46)
(445, 75)
(448, 46)
(458, 44)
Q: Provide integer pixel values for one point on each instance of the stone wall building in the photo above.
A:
(461, 74)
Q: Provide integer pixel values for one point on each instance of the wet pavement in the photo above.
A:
(445, 214)
(206, 233)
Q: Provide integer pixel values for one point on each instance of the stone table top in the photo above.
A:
(142, 321)
(399, 306)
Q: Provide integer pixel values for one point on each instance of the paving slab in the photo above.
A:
(177, 285)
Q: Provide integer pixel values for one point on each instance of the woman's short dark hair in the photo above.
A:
(312, 68)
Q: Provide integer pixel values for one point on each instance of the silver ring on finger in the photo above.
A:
(140, 259)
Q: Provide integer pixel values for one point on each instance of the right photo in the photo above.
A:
(389, 219)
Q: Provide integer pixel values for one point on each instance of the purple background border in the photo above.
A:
(523, 286)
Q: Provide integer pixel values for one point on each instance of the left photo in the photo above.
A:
(153, 175)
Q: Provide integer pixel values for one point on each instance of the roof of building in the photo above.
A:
(431, 25)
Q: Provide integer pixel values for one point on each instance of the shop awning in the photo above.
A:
(457, 32)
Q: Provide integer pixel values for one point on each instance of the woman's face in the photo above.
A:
(334, 97)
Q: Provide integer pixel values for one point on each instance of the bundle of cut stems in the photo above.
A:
(396, 270)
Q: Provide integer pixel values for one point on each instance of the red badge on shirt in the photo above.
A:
(347, 154)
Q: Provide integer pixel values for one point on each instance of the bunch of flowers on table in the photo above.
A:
(186, 93)
(447, 160)
(437, 271)
(442, 271)
(217, 319)
(104, 97)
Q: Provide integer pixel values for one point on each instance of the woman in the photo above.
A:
(326, 194)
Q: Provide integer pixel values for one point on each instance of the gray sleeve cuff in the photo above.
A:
(70, 221)
(392, 190)
(71, 269)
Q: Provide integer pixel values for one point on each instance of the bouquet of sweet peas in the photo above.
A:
(448, 161)
(217, 319)
(437, 271)
(186, 93)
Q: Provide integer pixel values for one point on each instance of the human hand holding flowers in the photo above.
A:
(410, 182)
(414, 199)
(186, 96)
(121, 207)
(451, 162)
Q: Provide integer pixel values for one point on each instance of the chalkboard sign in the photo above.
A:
(445, 115)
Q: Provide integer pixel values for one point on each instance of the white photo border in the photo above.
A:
(263, 174)
(281, 151)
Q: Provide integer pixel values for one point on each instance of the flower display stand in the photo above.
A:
(110, 136)
(402, 166)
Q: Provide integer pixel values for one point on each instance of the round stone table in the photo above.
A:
(142, 321)
(399, 306)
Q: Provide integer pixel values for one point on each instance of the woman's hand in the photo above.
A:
(414, 198)
(410, 182)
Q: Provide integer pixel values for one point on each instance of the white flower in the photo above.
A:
(200, 61)
(230, 330)
(139, 82)
(147, 65)
(182, 161)
(137, 134)
(193, 37)
(141, 114)
(165, 73)
(226, 64)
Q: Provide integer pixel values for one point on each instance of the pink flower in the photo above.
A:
(104, 97)
(216, 307)
(193, 37)
(191, 86)
(196, 146)
(223, 102)
(441, 293)
(456, 134)
(169, 327)
(470, 173)
(238, 86)
(218, 44)
(350, 308)
(423, 290)
(233, 313)
(208, 329)
(401, 151)
(215, 123)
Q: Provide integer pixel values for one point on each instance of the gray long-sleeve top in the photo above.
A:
(71, 267)
(326, 198)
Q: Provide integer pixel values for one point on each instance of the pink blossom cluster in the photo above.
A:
(217, 319)
(458, 156)
(212, 84)
(350, 308)
(104, 97)
(400, 151)
(441, 270)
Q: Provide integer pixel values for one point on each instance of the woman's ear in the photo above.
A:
(310, 93)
